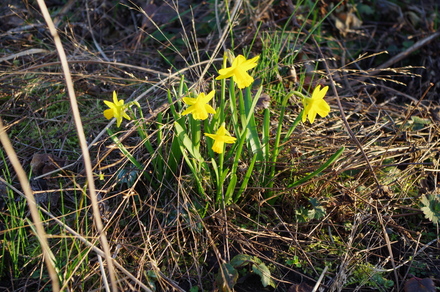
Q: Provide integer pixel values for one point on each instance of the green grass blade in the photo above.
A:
(245, 181)
(320, 169)
(124, 150)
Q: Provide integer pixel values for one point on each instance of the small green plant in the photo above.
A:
(295, 261)
(228, 273)
(431, 208)
(316, 212)
(366, 276)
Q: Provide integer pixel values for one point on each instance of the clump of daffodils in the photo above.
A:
(200, 109)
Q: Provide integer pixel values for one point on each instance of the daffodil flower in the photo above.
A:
(238, 70)
(315, 105)
(199, 106)
(116, 110)
(221, 137)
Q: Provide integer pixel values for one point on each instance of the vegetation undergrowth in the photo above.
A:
(228, 165)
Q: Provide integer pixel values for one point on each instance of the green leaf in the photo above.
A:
(431, 207)
(231, 188)
(365, 9)
(246, 178)
(124, 150)
(263, 271)
(187, 143)
(247, 109)
(318, 211)
(241, 260)
(419, 123)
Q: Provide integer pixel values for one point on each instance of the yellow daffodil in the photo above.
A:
(221, 137)
(315, 105)
(238, 70)
(116, 110)
(199, 106)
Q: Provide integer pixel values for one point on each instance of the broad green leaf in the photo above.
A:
(241, 260)
(431, 207)
(264, 274)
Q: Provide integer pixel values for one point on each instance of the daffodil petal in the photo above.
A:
(198, 106)
(222, 131)
(108, 114)
(200, 115)
(125, 116)
(322, 108)
(218, 147)
(225, 73)
(109, 104)
(238, 70)
(188, 111)
(210, 109)
(312, 115)
(212, 136)
(230, 140)
(221, 137)
(319, 93)
(207, 98)
(116, 110)
(118, 121)
(115, 97)
(243, 79)
(316, 105)
(189, 100)
(249, 64)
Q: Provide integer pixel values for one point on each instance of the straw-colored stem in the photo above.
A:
(41, 234)
(83, 143)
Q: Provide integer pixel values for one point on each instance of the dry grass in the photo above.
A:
(155, 235)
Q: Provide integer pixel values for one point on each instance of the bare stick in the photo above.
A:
(408, 51)
(83, 142)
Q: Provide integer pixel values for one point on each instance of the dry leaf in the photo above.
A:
(419, 285)
(345, 19)
(303, 287)
(44, 163)
(161, 14)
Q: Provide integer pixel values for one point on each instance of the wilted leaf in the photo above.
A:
(43, 163)
(161, 14)
(345, 19)
(226, 277)
(419, 285)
